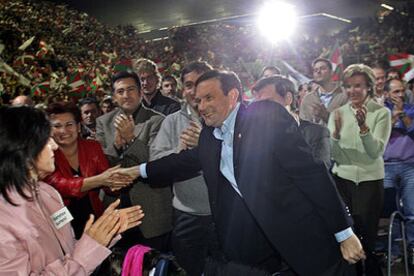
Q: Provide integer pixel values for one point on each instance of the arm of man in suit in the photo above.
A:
(181, 166)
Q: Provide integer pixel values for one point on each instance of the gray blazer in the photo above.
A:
(155, 201)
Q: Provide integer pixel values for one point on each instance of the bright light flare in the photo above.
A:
(277, 20)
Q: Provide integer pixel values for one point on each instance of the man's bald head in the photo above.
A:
(22, 100)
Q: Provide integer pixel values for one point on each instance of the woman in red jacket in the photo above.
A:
(81, 166)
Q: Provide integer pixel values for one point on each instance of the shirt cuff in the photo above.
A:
(143, 170)
(343, 235)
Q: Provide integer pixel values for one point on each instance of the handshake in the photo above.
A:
(117, 178)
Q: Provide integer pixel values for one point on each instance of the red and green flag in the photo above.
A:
(41, 89)
(76, 84)
(337, 62)
(123, 65)
(403, 62)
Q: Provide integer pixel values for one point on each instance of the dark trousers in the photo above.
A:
(193, 238)
(365, 201)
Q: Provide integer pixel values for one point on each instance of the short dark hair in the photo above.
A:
(324, 60)
(88, 100)
(169, 78)
(125, 75)
(228, 81)
(64, 107)
(197, 66)
(272, 68)
(282, 85)
(393, 70)
(387, 84)
(24, 132)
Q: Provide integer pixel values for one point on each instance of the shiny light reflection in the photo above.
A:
(277, 20)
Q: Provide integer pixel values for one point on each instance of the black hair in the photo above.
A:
(169, 78)
(197, 66)
(64, 107)
(324, 60)
(88, 100)
(271, 68)
(393, 70)
(124, 75)
(228, 81)
(282, 85)
(24, 132)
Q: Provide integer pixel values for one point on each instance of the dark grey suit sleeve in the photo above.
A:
(177, 166)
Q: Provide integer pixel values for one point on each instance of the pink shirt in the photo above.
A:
(31, 245)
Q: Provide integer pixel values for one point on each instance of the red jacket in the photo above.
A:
(92, 161)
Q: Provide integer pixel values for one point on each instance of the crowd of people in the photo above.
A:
(64, 53)
(98, 126)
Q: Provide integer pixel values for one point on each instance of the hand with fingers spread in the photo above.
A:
(130, 217)
(189, 137)
(106, 227)
(125, 125)
(352, 250)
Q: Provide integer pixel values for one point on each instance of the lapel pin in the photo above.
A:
(239, 135)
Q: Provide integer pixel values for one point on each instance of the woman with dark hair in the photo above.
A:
(81, 166)
(360, 131)
(35, 235)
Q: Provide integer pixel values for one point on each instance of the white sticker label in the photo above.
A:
(61, 217)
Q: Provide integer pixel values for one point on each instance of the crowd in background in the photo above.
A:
(68, 44)
(361, 128)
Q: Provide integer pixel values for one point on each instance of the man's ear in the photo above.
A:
(234, 94)
(289, 98)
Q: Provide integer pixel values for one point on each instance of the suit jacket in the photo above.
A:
(318, 138)
(155, 201)
(291, 197)
(339, 98)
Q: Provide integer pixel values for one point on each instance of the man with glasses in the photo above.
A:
(150, 80)
(126, 134)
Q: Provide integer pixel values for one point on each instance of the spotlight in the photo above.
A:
(277, 20)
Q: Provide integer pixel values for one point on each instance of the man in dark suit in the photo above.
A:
(281, 90)
(270, 201)
(125, 135)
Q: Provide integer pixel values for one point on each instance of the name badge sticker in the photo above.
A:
(61, 218)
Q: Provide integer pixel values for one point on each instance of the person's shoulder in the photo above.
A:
(152, 113)
(265, 106)
(88, 143)
(310, 97)
(108, 116)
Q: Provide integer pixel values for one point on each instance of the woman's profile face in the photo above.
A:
(65, 129)
(45, 162)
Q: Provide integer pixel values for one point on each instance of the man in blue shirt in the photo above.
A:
(399, 156)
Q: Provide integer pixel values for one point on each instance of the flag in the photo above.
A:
(26, 43)
(123, 65)
(44, 49)
(337, 62)
(76, 84)
(23, 59)
(295, 76)
(40, 89)
(403, 62)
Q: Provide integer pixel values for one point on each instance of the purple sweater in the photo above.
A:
(400, 148)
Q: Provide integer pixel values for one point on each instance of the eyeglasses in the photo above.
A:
(129, 90)
(67, 125)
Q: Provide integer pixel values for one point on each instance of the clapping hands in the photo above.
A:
(112, 222)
